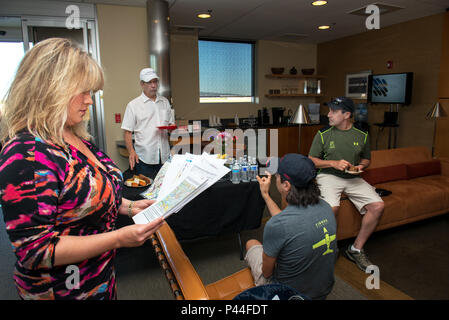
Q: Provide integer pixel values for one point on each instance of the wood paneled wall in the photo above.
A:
(413, 46)
(442, 129)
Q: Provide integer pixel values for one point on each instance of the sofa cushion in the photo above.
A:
(349, 219)
(418, 198)
(385, 174)
(422, 169)
(441, 182)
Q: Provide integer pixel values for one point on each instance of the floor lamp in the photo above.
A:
(300, 117)
(436, 112)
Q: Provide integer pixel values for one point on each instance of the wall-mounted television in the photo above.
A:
(392, 88)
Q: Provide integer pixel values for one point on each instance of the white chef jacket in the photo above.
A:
(143, 116)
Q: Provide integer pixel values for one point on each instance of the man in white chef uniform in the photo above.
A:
(143, 116)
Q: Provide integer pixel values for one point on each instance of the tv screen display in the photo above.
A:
(393, 88)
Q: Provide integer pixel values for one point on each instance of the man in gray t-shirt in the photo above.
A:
(299, 242)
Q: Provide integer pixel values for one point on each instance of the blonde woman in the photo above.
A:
(60, 194)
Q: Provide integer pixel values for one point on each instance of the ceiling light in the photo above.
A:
(324, 27)
(205, 15)
(319, 3)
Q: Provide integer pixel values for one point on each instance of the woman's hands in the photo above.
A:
(135, 235)
(139, 205)
(136, 206)
(73, 249)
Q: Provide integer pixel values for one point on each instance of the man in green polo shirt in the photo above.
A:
(341, 151)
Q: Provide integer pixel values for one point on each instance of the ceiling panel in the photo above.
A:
(268, 19)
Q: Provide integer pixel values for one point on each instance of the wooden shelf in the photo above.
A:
(293, 95)
(293, 76)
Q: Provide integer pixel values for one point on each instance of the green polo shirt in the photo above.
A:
(331, 143)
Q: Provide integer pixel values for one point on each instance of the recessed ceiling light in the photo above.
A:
(319, 3)
(205, 15)
(324, 27)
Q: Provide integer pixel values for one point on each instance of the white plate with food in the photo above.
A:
(138, 181)
(353, 170)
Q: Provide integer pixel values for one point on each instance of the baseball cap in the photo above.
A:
(148, 74)
(343, 103)
(297, 169)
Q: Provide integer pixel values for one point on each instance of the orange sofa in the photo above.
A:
(419, 186)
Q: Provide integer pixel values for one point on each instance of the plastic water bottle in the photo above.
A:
(235, 173)
(254, 168)
(245, 171)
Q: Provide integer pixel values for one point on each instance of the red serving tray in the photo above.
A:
(168, 127)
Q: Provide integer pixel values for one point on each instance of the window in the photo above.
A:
(226, 71)
(11, 53)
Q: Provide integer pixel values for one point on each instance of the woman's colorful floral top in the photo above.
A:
(46, 193)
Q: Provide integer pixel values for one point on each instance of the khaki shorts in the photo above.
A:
(254, 260)
(358, 191)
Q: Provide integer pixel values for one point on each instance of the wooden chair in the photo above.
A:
(184, 281)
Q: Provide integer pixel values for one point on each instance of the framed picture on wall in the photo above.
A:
(357, 85)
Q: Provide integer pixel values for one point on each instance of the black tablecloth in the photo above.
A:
(224, 208)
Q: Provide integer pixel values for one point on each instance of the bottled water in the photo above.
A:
(254, 168)
(245, 171)
(235, 173)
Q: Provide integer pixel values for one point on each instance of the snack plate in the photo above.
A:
(167, 127)
(138, 187)
(353, 172)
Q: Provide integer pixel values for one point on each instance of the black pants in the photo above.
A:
(148, 170)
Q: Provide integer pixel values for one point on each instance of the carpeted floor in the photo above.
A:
(414, 258)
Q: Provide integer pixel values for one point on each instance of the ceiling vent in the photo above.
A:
(186, 29)
(383, 7)
(288, 37)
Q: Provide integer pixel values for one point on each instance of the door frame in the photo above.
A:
(91, 45)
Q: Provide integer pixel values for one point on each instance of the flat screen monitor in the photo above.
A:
(393, 88)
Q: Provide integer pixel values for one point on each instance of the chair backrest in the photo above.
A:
(187, 278)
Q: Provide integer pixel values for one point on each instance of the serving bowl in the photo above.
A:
(277, 70)
(308, 71)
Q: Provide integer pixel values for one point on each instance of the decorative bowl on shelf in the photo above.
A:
(308, 72)
(277, 70)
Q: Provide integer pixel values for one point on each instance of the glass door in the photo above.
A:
(11, 52)
(35, 29)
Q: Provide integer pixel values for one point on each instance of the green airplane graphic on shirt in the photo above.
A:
(326, 241)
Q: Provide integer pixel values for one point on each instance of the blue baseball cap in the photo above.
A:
(297, 169)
